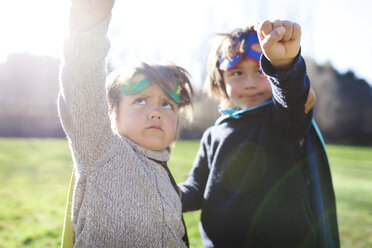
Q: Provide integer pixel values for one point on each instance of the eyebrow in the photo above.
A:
(239, 67)
(146, 95)
(139, 94)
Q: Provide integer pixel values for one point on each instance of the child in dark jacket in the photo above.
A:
(261, 175)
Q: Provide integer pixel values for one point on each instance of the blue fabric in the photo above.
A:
(235, 113)
(321, 187)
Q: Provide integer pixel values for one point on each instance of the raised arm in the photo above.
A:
(280, 41)
(283, 63)
(82, 99)
(88, 13)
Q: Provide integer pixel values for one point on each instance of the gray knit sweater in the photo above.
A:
(121, 197)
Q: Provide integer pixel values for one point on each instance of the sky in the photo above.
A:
(333, 31)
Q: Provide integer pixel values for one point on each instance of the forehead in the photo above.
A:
(156, 78)
(246, 64)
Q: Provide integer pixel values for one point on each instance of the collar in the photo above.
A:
(162, 155)
(237, 113)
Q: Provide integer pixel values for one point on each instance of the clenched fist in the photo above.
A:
(88, 13)
(280, 42)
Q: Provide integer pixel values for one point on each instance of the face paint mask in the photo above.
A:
(131, 88)
(251, 39)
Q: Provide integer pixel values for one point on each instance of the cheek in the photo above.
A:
(172, 122)
(128, 122)
(268, 89)
(264, 85)
(121, 124)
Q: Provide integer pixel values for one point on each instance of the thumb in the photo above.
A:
(274, 36)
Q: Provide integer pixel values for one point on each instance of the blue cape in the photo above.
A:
(319, 175)
(321, 187)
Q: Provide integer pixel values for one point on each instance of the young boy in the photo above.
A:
(256, 176)
(124, 195)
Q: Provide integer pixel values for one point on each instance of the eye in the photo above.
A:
(236, 73)
(140, 101)
(260, 74)
(167, 105)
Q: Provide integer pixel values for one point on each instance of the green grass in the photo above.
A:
(33, 180)
(352, 179)
(34, 176)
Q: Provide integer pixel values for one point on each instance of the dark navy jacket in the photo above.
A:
(252, 176)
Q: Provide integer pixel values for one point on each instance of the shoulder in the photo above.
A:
(207, 135)
(217, 133)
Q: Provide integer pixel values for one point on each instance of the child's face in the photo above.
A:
(148, 118)
(246, 85)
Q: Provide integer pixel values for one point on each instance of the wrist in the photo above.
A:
(269, 69)
(285, 63)
(282, 65)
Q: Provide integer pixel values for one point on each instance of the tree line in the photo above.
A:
(29, 89)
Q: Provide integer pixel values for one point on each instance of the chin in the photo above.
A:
(246, 106)
(254, 104)
(155, 146)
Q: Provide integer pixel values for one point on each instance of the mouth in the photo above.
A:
(250, 96)
(155, 127)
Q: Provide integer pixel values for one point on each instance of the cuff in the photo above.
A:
(269, 70)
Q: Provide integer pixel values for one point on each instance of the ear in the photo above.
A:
(112, 114)
(110, 111)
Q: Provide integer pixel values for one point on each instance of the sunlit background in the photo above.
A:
(336, 37)
(34, 173)
(166, 30)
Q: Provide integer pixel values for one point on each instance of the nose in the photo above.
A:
(249, 82)
(155, 114)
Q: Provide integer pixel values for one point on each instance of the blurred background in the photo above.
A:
(35, 161)
(335, 42)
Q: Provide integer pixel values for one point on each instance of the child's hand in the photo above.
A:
(90, 12)
(310, 100)
(280, 42)
(180, 192)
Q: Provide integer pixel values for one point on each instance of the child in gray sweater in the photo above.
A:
(123, 194)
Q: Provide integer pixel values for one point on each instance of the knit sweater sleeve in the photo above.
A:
(82, 103)
(193, 188)
(290, 89)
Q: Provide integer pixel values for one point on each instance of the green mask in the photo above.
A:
(131, 88)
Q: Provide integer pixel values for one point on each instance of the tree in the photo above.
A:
(343, 107)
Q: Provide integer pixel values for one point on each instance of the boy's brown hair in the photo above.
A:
(226, 45)
(164, 75)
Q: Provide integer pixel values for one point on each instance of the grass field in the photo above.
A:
(34, 175)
